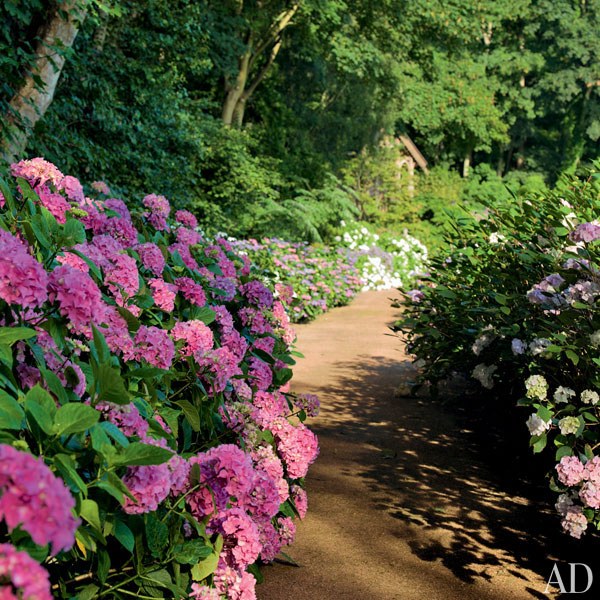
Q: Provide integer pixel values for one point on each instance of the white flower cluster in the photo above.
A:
(483, 373)
(385, 262)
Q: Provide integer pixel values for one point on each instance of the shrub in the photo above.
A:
(311, 278)
(149, 445)
(514, 305)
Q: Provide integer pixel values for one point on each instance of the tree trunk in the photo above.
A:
(466, 165)
(235, 91)
(238, 94)
(32, 100)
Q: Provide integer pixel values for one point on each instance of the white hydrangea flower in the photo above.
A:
(537, 425)
(537, 387)
(483, 373)
(563, 394)
(568, 425)
(590, 397)
(595, 339)
(563, 503)
(538, 346)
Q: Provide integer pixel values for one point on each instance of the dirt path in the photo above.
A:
(403, 503)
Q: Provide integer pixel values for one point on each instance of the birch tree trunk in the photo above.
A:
(35, 95)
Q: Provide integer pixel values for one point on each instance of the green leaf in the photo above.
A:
(100, 345)
(539, 442)
(133, 323)
(88, 592)
(73, 233)
(157, 534)
(11, 413)
(191, 413)
(138, 453)
(572, 356)
(205, 314)
(6, 356)
(41, 408)
(74, 418)
(544, 413)
(205, 567)
(563, 451)
(111, 385)
(66, 466)
(115, 433)
(90, 513)
(191, 552)
(103, 565)
(124, 535)
(55, 385)
(10, 335)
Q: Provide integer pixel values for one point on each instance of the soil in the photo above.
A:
(411, 498)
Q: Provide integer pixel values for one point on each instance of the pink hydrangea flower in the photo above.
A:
(121, 276)
(159, 208)
(203, 592)
(152, 258)
(258, 294)
(309, 403)
(37, 171)
(149, 485)
(226, 472)
(23, 280)
(242, 540)
(101, 187)
(126, 417)
(300, 500)
(590, 494)
(189, 237)
(23, 575)
(56, 203)
(154, 346)
(186, 218)
(72, 188)
(586, 232)
(197, 336)
(34, 498)
(570, 470)
(193, 292)
(260, 373)
(234, 584)
(78, 297)
(592, 470)
(297, 445)
(574, 521)
(287, 530)
(164, 294)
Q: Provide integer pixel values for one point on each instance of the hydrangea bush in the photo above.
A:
(514, 305)
(311, 278)
(384, 261)
(149, 444)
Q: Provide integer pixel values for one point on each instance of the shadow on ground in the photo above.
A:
(480, 498)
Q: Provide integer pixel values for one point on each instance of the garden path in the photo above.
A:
(405, 501)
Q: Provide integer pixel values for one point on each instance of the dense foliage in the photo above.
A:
(514, 305)
(149, 444)
(247, 112)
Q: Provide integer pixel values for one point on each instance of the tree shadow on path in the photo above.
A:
(478, 496)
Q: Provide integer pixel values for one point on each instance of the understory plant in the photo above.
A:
(514, 305)
(149, 444)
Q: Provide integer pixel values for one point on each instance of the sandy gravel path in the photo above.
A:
(405, 501)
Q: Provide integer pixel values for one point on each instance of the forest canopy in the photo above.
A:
(250, 111)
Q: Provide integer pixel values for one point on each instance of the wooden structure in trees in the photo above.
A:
(410, 159)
